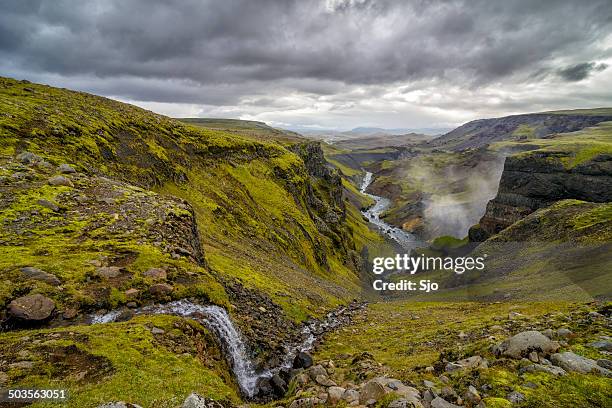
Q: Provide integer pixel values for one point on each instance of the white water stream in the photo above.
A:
(217, 320)
(406, 240)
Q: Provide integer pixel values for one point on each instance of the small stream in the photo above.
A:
(404, 239)
(219, 322)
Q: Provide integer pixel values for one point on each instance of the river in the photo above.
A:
(404, 239)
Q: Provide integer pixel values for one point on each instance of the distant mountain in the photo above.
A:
(249, 128)
(397, 131)
(382, 140)
(482, 132)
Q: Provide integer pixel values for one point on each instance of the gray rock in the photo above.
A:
(32, 307)
(108, 271)
(521, 344)
(316, 371)
(40, 275)
(157, 330)
(324, 381)
(442, 403)
(197, 401)
(155, 273)
(404, 403)
(539, 368)
(60, 181)
(302, 360)
(350, 396)
(22, 365)
(467, 363)
(605, 363)
(472, 395)
(161, 289)
(66, 169)
(48, 204)
(515, 397)
(28, 158)
(605, 345)
(119, 404)
(573, 362)
(372, 390)
(278, 385)
(334, 394)
(299, 403)
(548, 333)
(564, 333)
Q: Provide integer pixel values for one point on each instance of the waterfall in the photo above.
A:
(217, 320)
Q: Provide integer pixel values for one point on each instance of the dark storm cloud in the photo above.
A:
(581, 71)
(216, 52)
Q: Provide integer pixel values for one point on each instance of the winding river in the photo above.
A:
(404, 239)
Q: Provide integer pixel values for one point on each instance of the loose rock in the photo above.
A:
(573, 362)
(523, 343)
(60, 181)
(32, 308)
(108, 271)
(40, 275)
(66, 169)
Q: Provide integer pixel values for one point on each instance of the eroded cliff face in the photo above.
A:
(538, 179)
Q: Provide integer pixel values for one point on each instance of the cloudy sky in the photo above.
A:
(320, 64)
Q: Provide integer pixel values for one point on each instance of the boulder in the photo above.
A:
(334, 394)
(317, 370)
(278, 385)
(40, 275)
(540, 368)
(32, 308)
(564, 333)
(50, 205)
(197, 401)
(160, 289)
(605, 345)
(515, 397)
(302, 360)
(350, 396)
(372, 390)
(467, 363)
(472, 395)
(28, 158)
(521, 344)
(155, 273)
(605, 363)
(108, 271)
(324, 381)
(60, 181)
(66, 168)
(304, 403)
(573, 362)
(404, 403)
(442, 403)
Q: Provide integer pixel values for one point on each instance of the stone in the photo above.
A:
(50, 205)
(119, 404)
(539, 368)
(40, 275)
(160, 289)
(372, 390)
(564, 333)
(334, 394)
(66, 169)
(514, 315)
(155, 273)
(533, 356)
(548, 333)
(605, 363)
(108, 271)
(28, 158)
(472, 395)
(70, 313)
(521, 344)
(302, 360)
(573, 362)
(515, 397)
(60, 181)
(404, 403)
(32, 307)
(350, 396)
(462, 336)
(302, 403)
(429, 384)
(442, 403)
(157, 330)
(132, 293)
(429, 369)
(324, 381)
(197, 401)
(316, 371)
(278, 385)
(467, 363)
(605, 345)
(22, 365)
(3, 378)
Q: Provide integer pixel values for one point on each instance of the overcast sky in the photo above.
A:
(320, 64)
